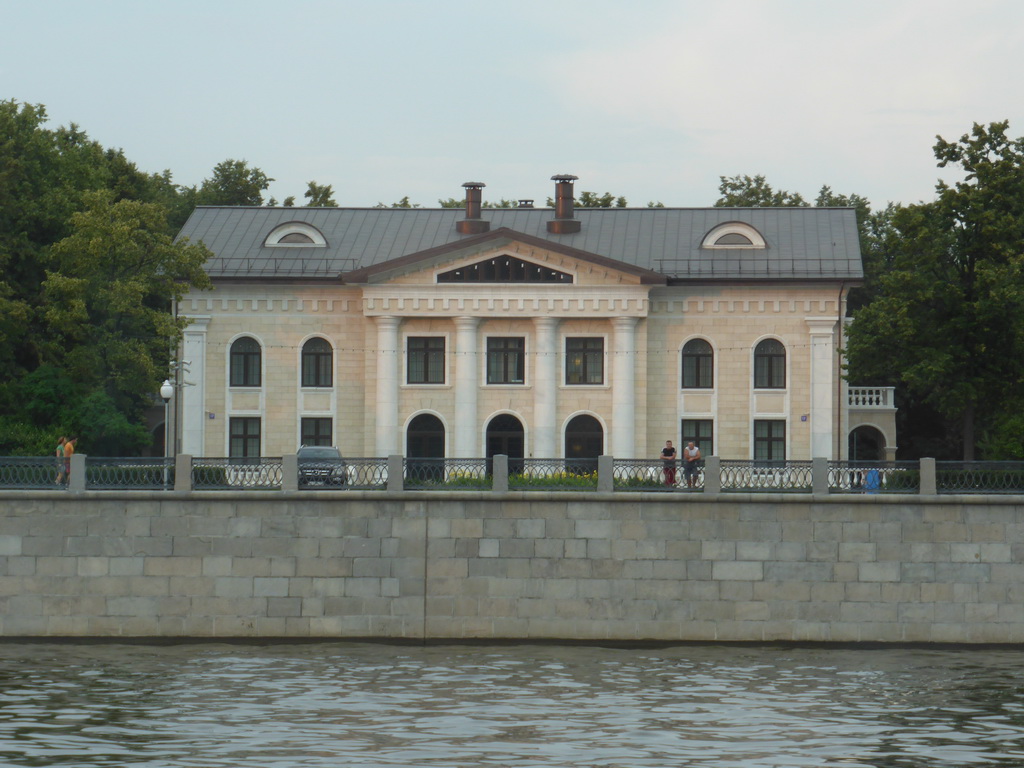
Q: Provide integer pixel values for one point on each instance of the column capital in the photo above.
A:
(466, 322)
(625, 323)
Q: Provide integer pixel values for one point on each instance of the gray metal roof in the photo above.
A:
(802, 243)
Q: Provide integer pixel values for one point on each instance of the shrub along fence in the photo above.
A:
(503, 474)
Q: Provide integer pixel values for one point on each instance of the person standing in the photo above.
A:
(59, 454)
(691, 455)
(668, 456)
(69, 451)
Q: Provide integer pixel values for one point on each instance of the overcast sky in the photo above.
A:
(650, 99)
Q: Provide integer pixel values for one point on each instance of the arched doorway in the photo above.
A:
(505, 436)
(424, 448)
(867, 444)
(584, 442)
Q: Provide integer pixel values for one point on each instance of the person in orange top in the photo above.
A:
(69, 451)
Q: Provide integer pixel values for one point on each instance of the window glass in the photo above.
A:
(425, 361)
(245, 363)
(317, 431)
(770, 365)
(769, 440)
(698, 364)
(505, 358)
(584, 360)
(702, 433)
(317, 359)
(245, 437)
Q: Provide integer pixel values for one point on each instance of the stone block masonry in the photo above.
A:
(599, 567)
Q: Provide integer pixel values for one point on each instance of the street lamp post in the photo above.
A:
(166, 391)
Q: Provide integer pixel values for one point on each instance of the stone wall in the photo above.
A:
(574, 566)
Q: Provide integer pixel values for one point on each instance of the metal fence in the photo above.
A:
(786, 476)
(874, 477)
(369, 474)
(647, 475)
(979, 476)
(552, 474)
(31, 472)
(255, 474)
(127, 474)
(447, 474)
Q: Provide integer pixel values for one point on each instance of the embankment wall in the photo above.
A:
(622, 567)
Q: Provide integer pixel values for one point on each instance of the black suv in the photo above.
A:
(321, 465)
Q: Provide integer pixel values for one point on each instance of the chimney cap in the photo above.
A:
(526, 202)
(564, 177)
(474, 185)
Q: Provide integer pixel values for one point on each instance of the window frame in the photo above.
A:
(702, 362)
(594, 356)
(706, 442)
(245, 434)
(769, 366)
(432, 360)
(771, 442)
(498, 349)
(316, 367)
(315, 436)
(245, 366)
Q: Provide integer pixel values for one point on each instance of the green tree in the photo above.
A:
(233, 182)
(947, 323)
(110, 327)
(320, 196)
(594, 200)
(452, 202)
(754, 192)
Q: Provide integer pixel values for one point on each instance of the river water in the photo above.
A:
(350, 704)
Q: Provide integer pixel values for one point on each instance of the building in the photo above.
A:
(528, 331)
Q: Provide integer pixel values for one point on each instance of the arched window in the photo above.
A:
(246, 359)
(424, 449)
(770, 365)
(584, 442)
(317, 368)
(295, 234)
(698, 365)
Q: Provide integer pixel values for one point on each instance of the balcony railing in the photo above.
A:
(871, 398)
(606, 474)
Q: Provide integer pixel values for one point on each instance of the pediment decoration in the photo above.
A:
(503, 268)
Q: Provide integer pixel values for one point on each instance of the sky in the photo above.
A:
(654, 100)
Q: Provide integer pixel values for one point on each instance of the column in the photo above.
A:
(466, 388)
(623, 442)
(192, 392)
(823, 386)
(388, 350)
(545, 388)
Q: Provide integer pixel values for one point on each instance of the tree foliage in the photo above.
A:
(233, 182)
(947, 323)
(754, 192)
(320, 196)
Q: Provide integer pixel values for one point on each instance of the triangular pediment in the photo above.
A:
(504, 256)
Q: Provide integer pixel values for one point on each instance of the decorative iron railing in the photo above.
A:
(787, 476)
(647, 475)
(447, 474)
(147, 474)
(257, 474)
(31, 472)
(979, 476)
(368, 474)
(874, 477)
(552, 474)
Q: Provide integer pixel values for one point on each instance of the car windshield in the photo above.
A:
(319, 453)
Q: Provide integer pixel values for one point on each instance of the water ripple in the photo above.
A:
(374, 705)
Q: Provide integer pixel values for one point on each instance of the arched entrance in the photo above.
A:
(867, 444)
(584, 442)
(505, 436)
(424, 448)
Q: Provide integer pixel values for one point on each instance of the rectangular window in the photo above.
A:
(245, 437)
(317, 432)
(505, 358)
(584, 360)
(702, 433)
(770, 440)
(425, 360)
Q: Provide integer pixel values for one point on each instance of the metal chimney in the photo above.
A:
(563, 223)
(473, 224)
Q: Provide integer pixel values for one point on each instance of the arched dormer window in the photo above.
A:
(733, 234)
(295, 234)
(246, 363)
